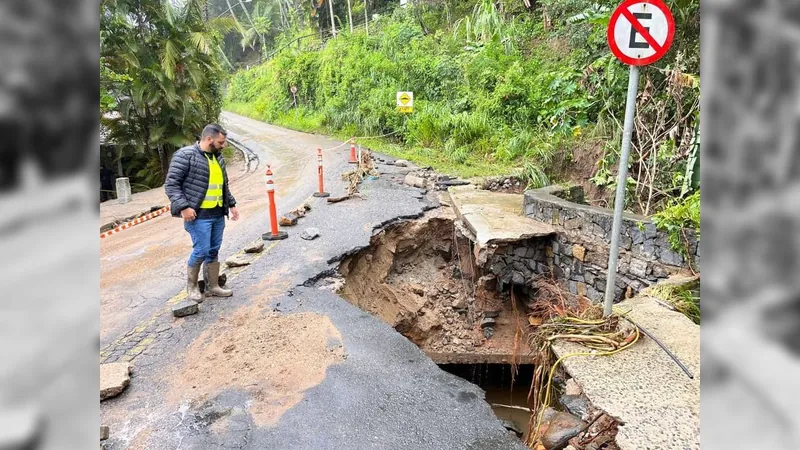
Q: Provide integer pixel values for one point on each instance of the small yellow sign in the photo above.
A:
(405, 102)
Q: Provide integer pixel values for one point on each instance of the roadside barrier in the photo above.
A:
(132, 223)
(274, 234)
(353, 159)
(321, 192)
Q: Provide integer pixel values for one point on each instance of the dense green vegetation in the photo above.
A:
(498, 88)
(160, 80)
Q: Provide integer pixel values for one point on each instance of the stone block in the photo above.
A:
(573, 287)
(581, 289)
(548, 251)
(114, 378)
(530, 252)
(671, 258)
(572, 224)
(185, 308)
(577, 267)
(638, 268)
(589, 277)
(520, 252)
(579, 252)
(650, 230)
(625, 242)
(637, 236)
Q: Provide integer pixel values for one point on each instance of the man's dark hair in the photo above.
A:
(213, 130)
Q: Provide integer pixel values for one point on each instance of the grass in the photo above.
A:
(472, 166)
(683, 297)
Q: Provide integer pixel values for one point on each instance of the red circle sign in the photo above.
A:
(640, 32)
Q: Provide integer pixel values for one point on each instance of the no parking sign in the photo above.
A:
(640, 32)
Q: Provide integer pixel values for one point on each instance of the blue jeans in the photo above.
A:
(206, 239)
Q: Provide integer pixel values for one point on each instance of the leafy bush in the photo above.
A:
(680, 214)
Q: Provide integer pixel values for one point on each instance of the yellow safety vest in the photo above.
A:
(215, 180)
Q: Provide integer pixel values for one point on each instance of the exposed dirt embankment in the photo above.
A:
(408, 278)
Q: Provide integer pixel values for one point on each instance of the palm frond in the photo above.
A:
(201, 41)
(170, 59)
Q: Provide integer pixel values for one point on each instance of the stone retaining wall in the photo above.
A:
(578, 256)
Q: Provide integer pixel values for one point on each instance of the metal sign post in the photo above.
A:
(624, 31)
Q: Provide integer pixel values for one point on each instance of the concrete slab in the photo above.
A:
(494, 217)
(643, 387)
(114, 378)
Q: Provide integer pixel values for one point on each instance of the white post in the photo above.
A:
(350, 16)
(366, 18)
(619, 202)
(333, 25)
(123, 190)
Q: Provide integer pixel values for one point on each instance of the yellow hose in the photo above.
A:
(568, 355)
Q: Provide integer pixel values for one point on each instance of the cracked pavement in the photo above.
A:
(374, 389)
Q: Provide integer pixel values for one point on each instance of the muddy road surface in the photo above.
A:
(144, 266)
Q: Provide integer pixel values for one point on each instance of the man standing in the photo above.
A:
(197, 187)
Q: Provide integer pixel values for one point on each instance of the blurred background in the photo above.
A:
(49, 135)
(750, 224)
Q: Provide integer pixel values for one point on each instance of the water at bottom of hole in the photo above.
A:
(508, 404)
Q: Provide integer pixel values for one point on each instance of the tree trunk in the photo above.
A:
(162, 156)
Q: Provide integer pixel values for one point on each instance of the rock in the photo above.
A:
(576, 404)
(255, 248)
(414, 181)
(561, 427)
(491, 314)
(579, 252)
(114, 378)
(237, 261)
(488, 332)
(104, 433)
(448, 183)
(511, 426)
(659, 271)
(572, 387)
(401, 163)
(638, 268)
(417, 289)
(185, 308)
(671, 258)
(650, 230)
(460, 303)
(309, 234)
(288, 220)
(520, 251)
(497, 267)
(518, 279)
(488, 322)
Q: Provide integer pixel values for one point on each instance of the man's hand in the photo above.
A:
(188, 214)
(234, 213)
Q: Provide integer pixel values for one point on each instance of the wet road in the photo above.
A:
(144, 266)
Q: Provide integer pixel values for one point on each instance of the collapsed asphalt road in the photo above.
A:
(287, 364)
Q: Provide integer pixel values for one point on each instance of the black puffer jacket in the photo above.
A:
(187, 180)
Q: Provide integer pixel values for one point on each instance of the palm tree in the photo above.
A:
(171, 61)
